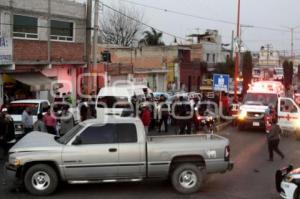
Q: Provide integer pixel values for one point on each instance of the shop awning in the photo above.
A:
(37, 81)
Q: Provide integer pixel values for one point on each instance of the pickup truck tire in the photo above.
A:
(187, 178)
(297, 194)
(40, 180)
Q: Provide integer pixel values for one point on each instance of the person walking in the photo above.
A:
(273, 138)
(50, 122)
(163, 114)
(67, 121)
(39, 125)
(146, 117)
(27, 120)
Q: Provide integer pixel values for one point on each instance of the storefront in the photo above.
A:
(28, 85)
(155, 79)
(6, 62)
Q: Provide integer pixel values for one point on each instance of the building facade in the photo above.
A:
(158, 67)
(268, 57)
(212, 51)
(48, 44)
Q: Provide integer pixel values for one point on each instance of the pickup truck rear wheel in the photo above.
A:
(187, 178)
(41, 180)
(297, 194)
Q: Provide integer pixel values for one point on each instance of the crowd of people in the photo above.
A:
(181, 112)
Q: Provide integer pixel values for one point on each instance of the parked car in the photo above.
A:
(288, 182)
(116, 150)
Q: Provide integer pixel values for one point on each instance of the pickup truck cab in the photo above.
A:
(16, 108)
(116, 150)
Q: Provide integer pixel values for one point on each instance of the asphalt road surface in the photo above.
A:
(251, 178)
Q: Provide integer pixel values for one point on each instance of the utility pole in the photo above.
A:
(292, 29)
(49, 33)
(236, 66)
(232, 43)
(268, 53)
(95, 41)
(88, 45)
(292, 44)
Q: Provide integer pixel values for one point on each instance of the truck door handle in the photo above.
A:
(112, 150)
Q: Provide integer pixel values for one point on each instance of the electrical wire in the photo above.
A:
(144, 24)
(204, 18)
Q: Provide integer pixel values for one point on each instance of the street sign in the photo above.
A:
(221, 82)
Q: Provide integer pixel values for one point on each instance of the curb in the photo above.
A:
(223, 125)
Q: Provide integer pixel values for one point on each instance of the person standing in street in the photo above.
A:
(27, 120)
(163, 114)
(67, 121)
(39, 125)
(273, 138)
(146, 117)
(50, 122)
(183, 109)
(8, 137)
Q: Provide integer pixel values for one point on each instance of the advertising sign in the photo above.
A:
(5, 50)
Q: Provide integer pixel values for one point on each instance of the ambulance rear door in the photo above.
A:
(288, 113)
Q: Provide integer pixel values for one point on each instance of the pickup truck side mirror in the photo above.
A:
(77, 141)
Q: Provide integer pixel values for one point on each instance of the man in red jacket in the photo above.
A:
(146, 117)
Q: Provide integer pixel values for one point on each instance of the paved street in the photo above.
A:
(252, 177)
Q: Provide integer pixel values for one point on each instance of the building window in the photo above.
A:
(62, 31)
(214, 58)
(25, 27)
(207, 57)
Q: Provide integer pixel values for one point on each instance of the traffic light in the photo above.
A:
(106, 56)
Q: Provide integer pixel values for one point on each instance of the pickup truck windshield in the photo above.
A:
(70, 134)
(18, 108)
(266, 99)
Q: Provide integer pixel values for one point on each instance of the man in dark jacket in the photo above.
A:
(7, 125)
(183, 109)
(274, 139)
(163, 113)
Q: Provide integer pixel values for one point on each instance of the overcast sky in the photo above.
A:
(267, 13)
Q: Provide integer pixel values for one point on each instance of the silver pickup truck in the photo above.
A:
(116, 150)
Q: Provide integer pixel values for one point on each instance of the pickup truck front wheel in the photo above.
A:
(187, 178)
(40, 180)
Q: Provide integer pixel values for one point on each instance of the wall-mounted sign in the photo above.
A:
(5, 51)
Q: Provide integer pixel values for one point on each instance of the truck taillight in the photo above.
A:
(227, 153)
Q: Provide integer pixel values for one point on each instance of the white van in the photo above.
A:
(15, 110)
(117, 100)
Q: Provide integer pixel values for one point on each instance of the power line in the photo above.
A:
(144, 24)
(203, 18)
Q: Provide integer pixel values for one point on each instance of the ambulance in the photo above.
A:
(265, 100)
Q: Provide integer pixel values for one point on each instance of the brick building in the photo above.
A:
(48, 41)
(155, 66)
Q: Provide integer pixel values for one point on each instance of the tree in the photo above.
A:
(287, 73)
(225, 68)
(120, 29)
(247, 70)
(152, 38)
